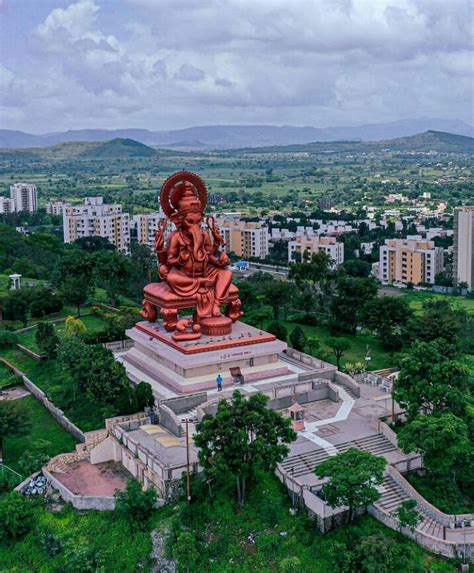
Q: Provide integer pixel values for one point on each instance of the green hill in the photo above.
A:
(118, 148)
(436, 141)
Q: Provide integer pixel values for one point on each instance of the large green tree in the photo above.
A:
(443, 440)
(430, 382)
(242, 438)
(387, 316)
(338, 347)
(353, 479)
(349, 302)
(112, 272)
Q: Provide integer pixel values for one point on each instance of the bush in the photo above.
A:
(278, 329)
(136, 504)
(8, 339)
(16, 515)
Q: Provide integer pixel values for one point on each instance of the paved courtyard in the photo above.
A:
(83, 478)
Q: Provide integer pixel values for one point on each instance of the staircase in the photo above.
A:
(393, 495)
(191, 416)
(302, 464)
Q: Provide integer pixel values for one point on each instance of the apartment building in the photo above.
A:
(414, 261)
(6, 205)
(143, 227)
(24, 197)
(245, 239)
(96, 219)
(463, 255)
(315, 244)
(56, 207)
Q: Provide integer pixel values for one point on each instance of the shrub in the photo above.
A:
(8, 339)
(136, 504)
(16, 515)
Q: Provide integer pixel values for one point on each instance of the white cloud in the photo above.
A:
(175, 63)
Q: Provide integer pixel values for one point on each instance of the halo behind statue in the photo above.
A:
(170, 185)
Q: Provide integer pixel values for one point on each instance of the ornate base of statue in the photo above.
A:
(216, 325)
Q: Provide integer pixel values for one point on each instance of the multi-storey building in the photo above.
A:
(56, 207)
(95, 218)
(463, 256)
(312, 244)
(6, 205)
(414, 261)
(245, 239)
(24, 197)
(143, 227)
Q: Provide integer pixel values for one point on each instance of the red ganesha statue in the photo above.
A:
(193, 270)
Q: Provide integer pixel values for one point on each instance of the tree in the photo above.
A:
(15, 306)
(351, 297)
(46, 338)
(298, 339)
(430, 382)
(144, 396)
(94, 244)
(243, 437)
(443, 440)
(74, 326)
(135, 503)
(34, 459)
(353, 479)
(338, 347)
(75, 290)
(112, 271)
(259, 315)
(14, 420)
(407, 515)
(16, 515)
(357, 268)
(387, 316)
(277, 294)
(186, 551)
(278, 329)
(314, 346)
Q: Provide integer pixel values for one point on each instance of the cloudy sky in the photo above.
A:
(164, 64)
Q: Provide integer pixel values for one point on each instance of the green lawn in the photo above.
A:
(359, 343)
(49, 376)
(417, 298)
(43, 426)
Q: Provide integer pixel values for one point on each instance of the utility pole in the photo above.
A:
(188, 478)
(394, 381)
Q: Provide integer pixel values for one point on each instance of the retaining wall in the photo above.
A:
(32, 354)
(101, 503)
(56, 412)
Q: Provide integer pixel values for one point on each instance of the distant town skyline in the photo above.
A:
(174, 64)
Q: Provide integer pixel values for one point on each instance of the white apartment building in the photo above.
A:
(410, 261)
(24, 197)
(315, 244)
(245, 239)
(96, 219)
(6, 205)
(56, 207)
(463, 257)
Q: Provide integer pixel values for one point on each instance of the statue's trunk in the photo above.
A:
(198, 240)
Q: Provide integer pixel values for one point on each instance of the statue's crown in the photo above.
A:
(185, 198)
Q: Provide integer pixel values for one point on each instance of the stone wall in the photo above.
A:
(169, 419)
(182, 404)
(31, 353)
(101, 503)
(56, 412)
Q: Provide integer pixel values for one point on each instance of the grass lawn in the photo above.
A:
(417, 298)
(49, 376)
(359, 343)
(43, 426)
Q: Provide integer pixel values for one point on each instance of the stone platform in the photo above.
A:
(180, 367)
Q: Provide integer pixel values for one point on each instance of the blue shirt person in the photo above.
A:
(219, 382)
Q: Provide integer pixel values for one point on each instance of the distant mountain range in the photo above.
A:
(120, 148)
(239, 136)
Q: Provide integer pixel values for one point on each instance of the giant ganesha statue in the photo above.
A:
(192, 267)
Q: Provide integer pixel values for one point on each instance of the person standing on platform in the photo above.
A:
(219, 383)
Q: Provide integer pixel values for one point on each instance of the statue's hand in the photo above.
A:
(224, 260)
(184, 255)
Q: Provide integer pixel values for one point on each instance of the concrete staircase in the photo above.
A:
(191, 416)
(393, 495)
(302, 464)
